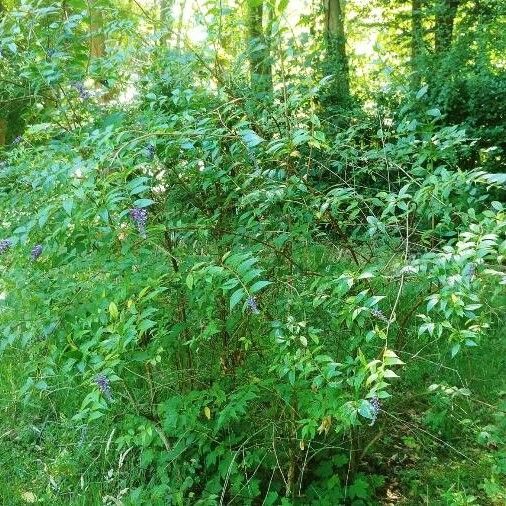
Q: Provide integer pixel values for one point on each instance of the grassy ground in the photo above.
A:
(447, 448)
(439, 447)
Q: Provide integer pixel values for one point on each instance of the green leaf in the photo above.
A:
(390, 358)
(143, 202)
(366, 410)
(436, 113)
(43, 216)
(281, 6)
(472, 307)
(422, 91)
(251, 138)
(236, 297)
(432, 302)
(68, 205)
(113, 311)
(256, 287)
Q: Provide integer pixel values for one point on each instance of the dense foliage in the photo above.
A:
(252, 265)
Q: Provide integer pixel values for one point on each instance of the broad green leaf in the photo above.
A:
(236, 297)
(113, 310)
(256, 287)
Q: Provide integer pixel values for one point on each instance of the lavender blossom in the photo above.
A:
(83, 92)
(251, 303)
(378, 314)
(36, 252)
(469, 271)
(376, 408)
(140, 216)
(150, 151)
(103, 384)
(5, 244)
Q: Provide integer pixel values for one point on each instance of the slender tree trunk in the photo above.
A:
(65, 9)
(3, 131)
(166, 18)
(182, 6)
(446, 11)
(3, 121)
(259, 58)
(337, 58)
(97, 42)
(417, 43)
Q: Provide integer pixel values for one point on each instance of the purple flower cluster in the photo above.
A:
(83, 92)
(469, 271)
(378, 314)
(140, 216)
(36, 251)
(251, 303)
(104, 385)
(376, 408)
(150, 151)
(5, 244)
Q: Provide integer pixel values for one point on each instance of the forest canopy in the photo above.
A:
(252, 252)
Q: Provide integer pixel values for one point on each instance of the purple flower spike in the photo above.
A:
(251, 303)
(378, 314)
(376, 408)
(103, 384)
(82, 91)
(140, 217)
(150, 151)
(470, 271)
(5, 244)
(36, 251)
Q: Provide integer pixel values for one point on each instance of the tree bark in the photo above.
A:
(3, 121)
(3, 131)
(337, 57)
(417, 43)
(258, 50)
(446, 11)
(166, 17)
(97, 42)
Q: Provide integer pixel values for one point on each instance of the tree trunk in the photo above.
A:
(417, 44)
(166, 18)
(182, 7)
(259, 58)
(337, 58)
(97, 42)
(446, 10)
(3, 122)
(3, 131)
